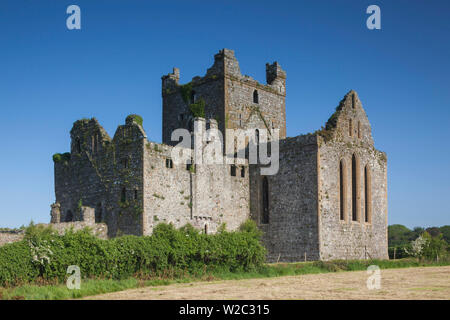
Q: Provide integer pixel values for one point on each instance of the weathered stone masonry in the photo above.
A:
(327, 201)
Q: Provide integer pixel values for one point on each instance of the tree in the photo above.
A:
(445, 230)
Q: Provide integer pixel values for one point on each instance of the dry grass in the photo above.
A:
(408, 283)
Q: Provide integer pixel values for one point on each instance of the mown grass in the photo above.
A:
(91, 287)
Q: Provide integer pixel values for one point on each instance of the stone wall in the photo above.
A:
(346, 238)
(133, 184)
(292, 231)
(228, 97)
(105, 174)
(10, 236)
(204, 196)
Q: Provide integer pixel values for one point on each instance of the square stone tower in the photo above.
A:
(225, 95)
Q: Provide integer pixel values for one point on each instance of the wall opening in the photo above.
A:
(169, 163)
(350, 127)
(98, 213)
(193, 96)
(359, 130)
(136, 194)
(367, 195)
(69, 216)
(257, 145)
(233, 170)
(354, 189)
(342, 189)
(78, 145)
(265, 201)
(353, 101)
(206, 229)
(255, 96)
(123, 195)
(243, 172)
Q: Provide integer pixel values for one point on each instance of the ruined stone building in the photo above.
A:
(327, 201)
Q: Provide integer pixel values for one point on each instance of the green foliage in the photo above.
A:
(46, 255)
(405, 242)
(64, 157)
(186, 91)
(136, 118)
(435, 247)
(445, 230)
(198, 108)
(52, 290)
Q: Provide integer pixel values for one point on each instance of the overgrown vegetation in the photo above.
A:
(45, 289)
(136, 118)
(61, 157)
(45, 255)
(198, 108)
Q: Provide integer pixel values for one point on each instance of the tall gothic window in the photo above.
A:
(367, 195)
(265, 201)
(342, 189)
(350, 128)
(354, 189)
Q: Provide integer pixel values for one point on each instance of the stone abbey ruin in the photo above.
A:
(327, 201)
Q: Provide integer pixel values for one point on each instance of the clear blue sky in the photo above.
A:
(51, 76)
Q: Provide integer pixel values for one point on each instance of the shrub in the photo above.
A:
(45, 254)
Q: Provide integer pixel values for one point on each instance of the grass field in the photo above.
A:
(418, 283)
(90, 287)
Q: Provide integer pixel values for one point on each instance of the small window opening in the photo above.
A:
(98, 213)
(233, 170)
(77, 145)
(169, 163)
(243, 172)
(123, 195)
(359, 130)
(350, 127)
(255, 96)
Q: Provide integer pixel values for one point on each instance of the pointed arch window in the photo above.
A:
(367, 195)
(355, 188)
(265, 201)
(255, 96)
(342, 190)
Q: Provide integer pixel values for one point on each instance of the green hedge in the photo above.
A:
(44, 254)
